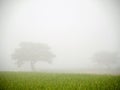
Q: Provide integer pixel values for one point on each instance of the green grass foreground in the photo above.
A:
(52, 81)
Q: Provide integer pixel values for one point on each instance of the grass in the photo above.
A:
(52, 81)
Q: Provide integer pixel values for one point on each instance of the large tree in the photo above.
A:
(107, 59)
(32, 52)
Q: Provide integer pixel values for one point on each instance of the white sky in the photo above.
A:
(74, 29)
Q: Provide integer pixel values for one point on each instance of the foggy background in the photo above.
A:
(74, 29)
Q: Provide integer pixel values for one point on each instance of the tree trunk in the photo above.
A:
(32, 65)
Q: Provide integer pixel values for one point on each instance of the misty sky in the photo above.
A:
(74, 29)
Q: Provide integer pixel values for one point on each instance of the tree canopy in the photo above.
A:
(32, 52)
(106, 58)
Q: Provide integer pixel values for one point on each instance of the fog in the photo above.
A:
(74, 29)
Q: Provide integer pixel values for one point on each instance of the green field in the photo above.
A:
(54, 81)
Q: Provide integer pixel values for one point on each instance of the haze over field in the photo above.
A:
(74, 29)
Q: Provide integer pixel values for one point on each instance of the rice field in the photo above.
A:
(57, 81)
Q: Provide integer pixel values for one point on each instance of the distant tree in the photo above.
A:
(32, 52)
(107, 59)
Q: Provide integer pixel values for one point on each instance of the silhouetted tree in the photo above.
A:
(32, 52)
(107, 59)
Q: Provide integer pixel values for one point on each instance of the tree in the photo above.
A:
(32, 52)
(107, 59)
